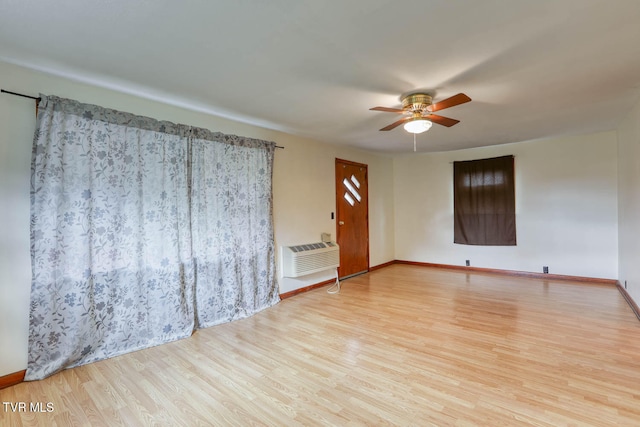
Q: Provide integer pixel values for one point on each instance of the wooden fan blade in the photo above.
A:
(396, 124)
(458, 99)
(388, 110)
(444, 121)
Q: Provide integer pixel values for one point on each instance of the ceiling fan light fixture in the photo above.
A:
(418, 126)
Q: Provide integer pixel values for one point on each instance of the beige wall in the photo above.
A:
(629, 203)
(566, 199)
(303, 182)
(566, 207)
(17, 121)
(304, 198)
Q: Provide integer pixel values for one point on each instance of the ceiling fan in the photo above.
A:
(419, 109)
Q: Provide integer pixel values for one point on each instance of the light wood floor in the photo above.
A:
(403, 345)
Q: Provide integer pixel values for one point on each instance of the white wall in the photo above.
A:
(629, 203)
(566, 207)
(304, 194)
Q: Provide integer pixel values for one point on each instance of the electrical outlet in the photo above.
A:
(467, 263)
(545, 269)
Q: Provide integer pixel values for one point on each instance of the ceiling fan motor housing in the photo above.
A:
(416, 102)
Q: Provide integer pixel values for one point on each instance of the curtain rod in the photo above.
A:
(508, 155)
(20, 94)
(37, 99)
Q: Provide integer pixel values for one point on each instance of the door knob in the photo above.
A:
(340, 222)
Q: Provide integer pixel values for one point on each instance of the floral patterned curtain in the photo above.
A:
(231, 223)
(113, 250)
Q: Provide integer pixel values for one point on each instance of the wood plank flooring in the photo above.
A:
(403, 345)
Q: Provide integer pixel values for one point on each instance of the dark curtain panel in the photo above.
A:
(484, 202)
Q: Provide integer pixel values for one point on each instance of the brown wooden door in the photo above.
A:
(352, 219)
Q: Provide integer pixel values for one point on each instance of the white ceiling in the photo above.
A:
(534, 69)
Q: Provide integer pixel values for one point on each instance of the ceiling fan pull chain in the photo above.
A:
(414, 142)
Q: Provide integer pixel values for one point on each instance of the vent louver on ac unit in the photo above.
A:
(309, 258)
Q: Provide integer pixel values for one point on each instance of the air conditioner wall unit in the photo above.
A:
(309, 258)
